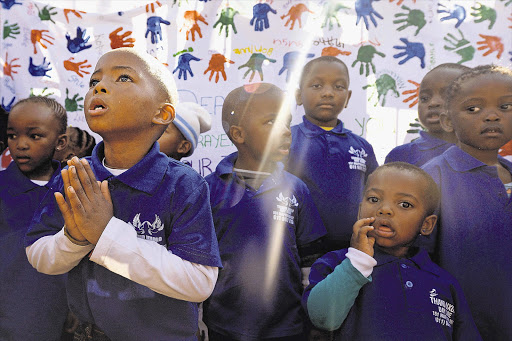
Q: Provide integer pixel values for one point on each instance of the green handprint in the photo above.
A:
(508, 2)
(45, 13)
(460, 46)
(226, 19)
(365, 56)
(416, 127)
(71, 104)
(11, 30)
(414, 18)
(42, 94)
(254, 64)
(483, 13)
(383, 84)
(330, 11)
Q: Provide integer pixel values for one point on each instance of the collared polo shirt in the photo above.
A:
(420, 151)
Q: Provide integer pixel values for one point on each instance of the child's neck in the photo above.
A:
(254, 165)
(125, 154)
(251, 173)
(43, 173)
(445, 136)
(489, 157)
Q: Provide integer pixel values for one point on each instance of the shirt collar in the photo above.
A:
(312, 130)
(22, 184)
(427, 141)
(420, 258)
(145, 176)
(461, 161)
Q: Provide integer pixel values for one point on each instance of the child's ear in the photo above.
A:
(237, 134)
(165, 114)
(348, 98)
(184, 147)
(446, 122)
(298, 97)
(62, 142)
(428, 225)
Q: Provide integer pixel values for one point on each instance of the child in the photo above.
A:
(139, 246)
(80, 144)
(33, 306)
(263, 218)
(475, 229)
(407, 296)
(332, 161)
(180, 138)
(435, 140)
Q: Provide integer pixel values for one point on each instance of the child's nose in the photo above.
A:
(384, 209)
(99, 88)
(22, 144)
(328, 91)
(492, 115)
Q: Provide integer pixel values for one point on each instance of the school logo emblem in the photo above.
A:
(443, 311)
(358, 159)
(147, 229)
(285, 208)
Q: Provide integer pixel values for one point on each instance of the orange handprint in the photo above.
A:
(510, 19)
(120, 40)
(333, 51)
(400, 2)
(191, 19)
(295, 13)
(9, 68)
(216, 65)
(506, 150)
(76, 67)
(492, 43)
(414, 94)
(153, 6)
(75, 12)
(37, 35)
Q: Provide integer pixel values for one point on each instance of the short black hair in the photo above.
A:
(432, 194)
(57, 109)
(4, 115)
(454, 66)
(82, 143)
(306, 70)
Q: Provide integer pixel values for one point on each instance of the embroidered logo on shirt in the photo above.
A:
(358, 159)
(445, 310)
(146, 229)
(285, 208)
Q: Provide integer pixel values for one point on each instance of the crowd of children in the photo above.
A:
(298, 235)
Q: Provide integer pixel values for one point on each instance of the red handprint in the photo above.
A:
(295, 13)
(75, 12)
(37, 35)
(120, 40)
(76, 67)
(492, 43)
(216, 65)
(191, 19)
(333, 51)
(400, 2)
(152, 5)
(510, 19)
(9, 68)
(414, 94)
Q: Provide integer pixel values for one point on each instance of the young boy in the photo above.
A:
(33, 306)
(139, 245)
(180, 138)
(475, 230)
(332, 161)
(435, 140)
(382, 288)
(264, 217)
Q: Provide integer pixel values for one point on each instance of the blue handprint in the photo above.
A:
(8, 107)
(184, 65)
(7, 4)
(153, 24)
(39, 70)
(510, 53)
(289, 61)
(411, 50)
(259, 13)
(364, 9)
(77, 44)
(458, 12)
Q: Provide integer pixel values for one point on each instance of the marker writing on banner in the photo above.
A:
(211, 103)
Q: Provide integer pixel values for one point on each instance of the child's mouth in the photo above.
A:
(97, 107)
(492, 131)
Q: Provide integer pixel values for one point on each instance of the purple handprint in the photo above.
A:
(184, 65)
(39, 70)
(364, 9)
(457, 12)
(8, 107)
(78, 44)
(259, 13)
(290, 60)
(7, 4)
(411, 50)
(153, 26)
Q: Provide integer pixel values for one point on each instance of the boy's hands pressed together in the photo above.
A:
(360, 239)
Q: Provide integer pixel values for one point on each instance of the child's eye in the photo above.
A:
(507, 106)
(405, 204)
(340, 87)
(125, 78)
(316, 86)
(424, 99)
(93, 82)
(11, 136)
(35, 136)
(473, 109)
(373, 199)
(271, 122)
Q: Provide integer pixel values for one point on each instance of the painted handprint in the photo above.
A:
(75, 12)
(334, 52)
(457, 12)
(152, 6)
(492, 43)
(482, 13)
(184, 65)
(415, 127)
(290, 60)
(10, 30)
(295, 14)
(78, 68)
(7, 4)
(41, 93)
(39, 70)
(71, 104)
(461, 46)
(383, 84)
(260, 16)
(216, 65)
(37, 35)
(9, 68)
(414, 17)
(153, 26)
(46, 13)
(254, 64)
(365, 56)
(507, 2)
(120, 40)
(191, 23)
(226, 19)
(78, 44)
(411, 50)
(364, 9)
(330, 12)
(413, 94)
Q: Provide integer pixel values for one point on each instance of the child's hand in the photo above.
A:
(66, 211)
(360, 239)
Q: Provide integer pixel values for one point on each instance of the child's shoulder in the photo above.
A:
(183, 175)
(330, 260)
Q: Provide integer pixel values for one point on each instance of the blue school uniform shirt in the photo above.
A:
(420, 151)
(334, 165)
(474, 236)
(258, 292)
(156, 189)
(33, 305)
(407, 299)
